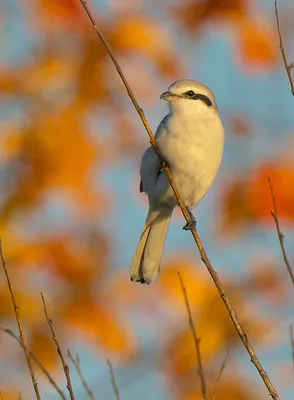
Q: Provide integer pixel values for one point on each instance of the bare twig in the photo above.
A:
(292, 344)
(288, 67)
(115, 388)
(59, 351)
(223, 366)
(187, 216)
(76, 363)
(37, 361)
(1, 397)
(280, 234)
(196, 340)
(19, 324)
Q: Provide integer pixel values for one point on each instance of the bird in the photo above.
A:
(190, 139)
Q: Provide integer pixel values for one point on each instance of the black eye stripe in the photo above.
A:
(198, 96)
(203, 98)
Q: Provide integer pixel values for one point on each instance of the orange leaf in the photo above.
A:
(100, 323)
(62, 9)
(257, 44)
(194, 13)
(248, 201)
(42, 345)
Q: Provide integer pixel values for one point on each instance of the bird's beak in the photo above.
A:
(168, 96)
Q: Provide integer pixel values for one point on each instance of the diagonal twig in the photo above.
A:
(288, 67)
(37, 361)
(272, 391)
(292, 344)
(59, 351)
(281, 236)
(223, 366)
(112, 377)
(76, 363)
(19, 324)
(196, 340)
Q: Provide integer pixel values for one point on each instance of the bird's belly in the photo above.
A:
(194, 167)
(193, 189)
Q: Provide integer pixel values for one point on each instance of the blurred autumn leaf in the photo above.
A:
(213, 325)
(240, 125)
(248, 201)
(193, 14)
(256, 43)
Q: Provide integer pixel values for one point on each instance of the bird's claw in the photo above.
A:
(163, 165)
(191, 224)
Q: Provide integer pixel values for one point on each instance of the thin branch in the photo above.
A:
(114, 385)
(223, 366)
(196, 340)
(187, 216)
(1, 397)
(19, 324)
(280, 234)
(37, 361)
(288, 67)
(292, 344)
(76, 363)
(59, 351)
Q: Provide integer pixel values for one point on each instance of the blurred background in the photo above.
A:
(71, 211)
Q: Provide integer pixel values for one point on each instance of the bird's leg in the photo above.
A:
(191, 224)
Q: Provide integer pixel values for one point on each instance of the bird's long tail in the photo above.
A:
(146, 261)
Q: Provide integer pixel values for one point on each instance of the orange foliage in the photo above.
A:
(68, 10)
(192, 279)
(98, 322)
(140, 35)
(213, 327)
(248, 201)
(257, 43)
(216, 331)
(43, 347)
(194, 13)
(11, 394)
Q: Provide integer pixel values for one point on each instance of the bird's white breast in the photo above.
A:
(193, 148)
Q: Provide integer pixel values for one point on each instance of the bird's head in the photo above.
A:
(189, 97)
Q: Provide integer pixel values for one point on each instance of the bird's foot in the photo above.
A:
(191, 224)
(163, 165)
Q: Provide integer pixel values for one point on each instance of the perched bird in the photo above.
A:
(190, 139)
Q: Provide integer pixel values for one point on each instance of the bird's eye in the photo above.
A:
(190, 93)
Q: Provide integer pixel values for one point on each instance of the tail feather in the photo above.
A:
(147, 258)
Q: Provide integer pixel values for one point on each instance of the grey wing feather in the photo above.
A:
(150, 164)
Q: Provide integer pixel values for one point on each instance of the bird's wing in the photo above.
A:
(141, 186)
(150, 164)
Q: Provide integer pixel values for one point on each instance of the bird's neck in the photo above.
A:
(196, 110)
